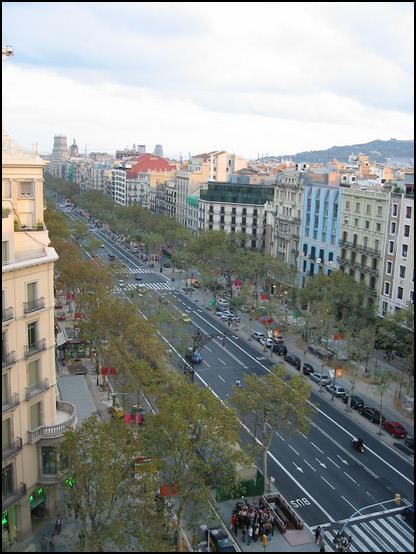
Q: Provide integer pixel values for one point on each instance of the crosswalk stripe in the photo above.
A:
(400, 535)
(382, 532)
(399, 525)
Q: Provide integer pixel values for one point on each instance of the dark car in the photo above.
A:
(219, 541)
(308, 369)
(279, 349)
(292, 360)
(394, 428)
(356, 401)
(138, 277)
(195, 357)
(371, 413)
(408, 514)
(408, 441)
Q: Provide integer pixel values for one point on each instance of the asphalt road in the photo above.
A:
(320, 474)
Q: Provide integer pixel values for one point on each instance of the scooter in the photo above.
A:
(357, 446)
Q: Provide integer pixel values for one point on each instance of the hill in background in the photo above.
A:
(377, 150)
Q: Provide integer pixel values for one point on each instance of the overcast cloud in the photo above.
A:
(250, 78)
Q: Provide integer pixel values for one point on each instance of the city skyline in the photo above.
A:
(274, 78)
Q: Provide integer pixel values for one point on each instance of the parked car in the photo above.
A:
(138, 277)
(257, 335)
(292, 360)
(408, 441)
(394, 428)
(185, 318)
(268, 342)
(325, 379)
(371, 413)
(111, 256)
(336, 390)
(356, 401)
(222, 303)
(308, 369)
(278, 340)
(120, 283)
(219, 541)
(226, 315)
(279, 349)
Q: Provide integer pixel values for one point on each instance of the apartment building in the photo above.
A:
(119, 183)
(319, 231)
(363, 235)
(235, 207)
(222, 164)
(33, 417)
(165, 199)
(398, 272)
(188, 183)
(284, 215)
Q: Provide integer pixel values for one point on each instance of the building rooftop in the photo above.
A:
(148, 162)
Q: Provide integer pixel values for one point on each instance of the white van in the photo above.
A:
(223, 304)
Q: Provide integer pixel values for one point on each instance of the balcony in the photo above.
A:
(12, 449)
(36, 389)
(295, 252)
(9, 498)
(35, 347)
(6, 315)
(10, 402)
(8, 358)
(34, 305)
(359, 247)
(66, 417)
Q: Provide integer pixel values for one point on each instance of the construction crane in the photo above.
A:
(6, 51)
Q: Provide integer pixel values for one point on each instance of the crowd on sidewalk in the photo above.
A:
(253, 521)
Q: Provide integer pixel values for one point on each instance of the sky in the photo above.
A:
(251, 78)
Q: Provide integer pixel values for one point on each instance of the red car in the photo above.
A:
(394, 428)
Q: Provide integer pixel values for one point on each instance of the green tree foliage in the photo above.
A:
(196, 438)
(278, 402)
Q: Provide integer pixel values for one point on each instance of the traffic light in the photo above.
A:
(397, 499)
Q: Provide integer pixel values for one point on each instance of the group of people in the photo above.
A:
(253, 521)
(45, 542)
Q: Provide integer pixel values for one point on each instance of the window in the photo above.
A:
(362, 277)
(7, 189)
(26, 189)
(34, 416)
(32, 333)
(376, 244)
(345, 220)
(49, 460)
(385, 308)
(253, 244)
(233, 211)
(357, 208)
(233, 220)
(404, 250)
(244, 211)
(388, 268)
(356, 222)
(233, 229)
(402, 271)
(243, 221)
(330, 256)
(378, 227)
(255, 212)
(347, 205)
(255, 222)
(406, 232)
(391, 247)
(222, 210)
(5, 251)
(394, 210)
(368, 209)
(32, 373)
(211, 209)
(222, 219)
(379, 210)
(210, 227)
(367, 224)
(393, 228)
(211, 218)
(345, 236)
(400, 293)
(408, 212)
(411, 297)
(386, 288)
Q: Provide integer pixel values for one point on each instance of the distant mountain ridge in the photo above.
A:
(377, 150)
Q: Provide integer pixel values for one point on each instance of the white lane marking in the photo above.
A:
(219, 359)
(348, 502)
(313, 444)
(219, 376)
(309, 465)
(291, 447)
(323, 478)
(333, 462)
(280, 436)
(349, 477)
(205, 363)
(207, 348)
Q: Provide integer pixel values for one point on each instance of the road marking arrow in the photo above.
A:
(320, 463)
(342, 459)
(298, 467)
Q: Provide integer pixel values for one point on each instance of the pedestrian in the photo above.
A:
(82, 538)
(44, 543)
(321, 543)
(256, 532)
(58, 524)
(249, 535)
(233, 521)
(244, 532)
(317, 533)
(52, 543)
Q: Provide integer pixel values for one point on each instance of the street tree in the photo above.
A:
(381, 379)
(278, 402)
(192, 438)
(99, 459)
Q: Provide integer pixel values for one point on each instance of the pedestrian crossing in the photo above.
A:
(139, 270)
(387, 533)
(149, 286)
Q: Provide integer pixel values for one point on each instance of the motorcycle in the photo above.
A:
(358, 446)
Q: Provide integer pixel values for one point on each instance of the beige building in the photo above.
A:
(33, 417)
(284, 216)
(188, 183)
(362, 236)
(398, 280)
(221, 164)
